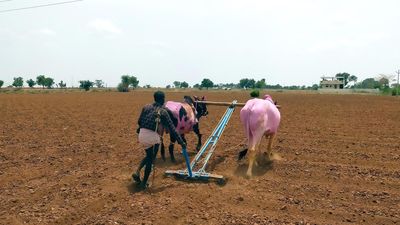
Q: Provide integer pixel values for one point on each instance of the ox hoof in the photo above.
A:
(248, 175)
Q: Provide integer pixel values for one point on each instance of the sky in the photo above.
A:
(287, 42)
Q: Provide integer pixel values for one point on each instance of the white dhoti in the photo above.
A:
(148, 137)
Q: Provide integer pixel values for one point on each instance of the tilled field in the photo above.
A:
(66, 158)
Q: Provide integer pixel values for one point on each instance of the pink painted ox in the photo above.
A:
(185, 116)
(260, 117)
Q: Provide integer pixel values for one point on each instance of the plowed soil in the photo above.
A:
(67, 158)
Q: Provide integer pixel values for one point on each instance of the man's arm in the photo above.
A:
(140, 120)
(140, 117)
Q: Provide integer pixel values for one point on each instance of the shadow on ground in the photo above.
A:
(264, 165)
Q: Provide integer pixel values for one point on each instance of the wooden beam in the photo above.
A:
(220, 103)
(227, 104)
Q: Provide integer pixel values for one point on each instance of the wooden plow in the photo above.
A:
(196, 169)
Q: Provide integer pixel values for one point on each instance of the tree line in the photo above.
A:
(381, 82)
(131, 82)
(49, 83)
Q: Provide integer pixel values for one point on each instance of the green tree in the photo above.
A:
(184, 84)
(314, 87)
(124, 85)
(127, 81)
(48, 82)
(40, 80)
(18, 82)
(62, 84)
(247, 83)
(86, 84)
(133, 81)
(206, 83)
(243, 82)
(343, 77)
(369, 83)
(261, 84)
(251, 83)
(1, 83)
(99, 83)
(384, 82)
(177, 84)
(31, 83)
(354, 79)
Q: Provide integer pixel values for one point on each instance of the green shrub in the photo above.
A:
(86, 84)
(387, 90)
(255, 94)
(122, 87)
(394, 91)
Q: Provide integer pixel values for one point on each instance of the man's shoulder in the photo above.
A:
(148, 106)
(164, 111)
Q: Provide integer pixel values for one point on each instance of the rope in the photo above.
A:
(158, 120)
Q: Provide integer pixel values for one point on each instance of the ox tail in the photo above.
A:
(249, 136)
(245, 115)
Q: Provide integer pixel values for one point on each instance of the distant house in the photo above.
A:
(331, 83)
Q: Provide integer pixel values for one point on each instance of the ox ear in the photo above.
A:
(195, 97)
(203, 98)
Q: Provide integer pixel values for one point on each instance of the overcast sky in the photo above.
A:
(290, 42)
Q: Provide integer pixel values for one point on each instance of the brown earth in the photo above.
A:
(66, 158)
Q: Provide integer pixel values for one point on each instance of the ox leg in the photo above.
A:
(271, 139)
(196, 130)
(171, 148)
(252, 157)
(257, 153)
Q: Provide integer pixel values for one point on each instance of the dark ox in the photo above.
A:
(185, 116)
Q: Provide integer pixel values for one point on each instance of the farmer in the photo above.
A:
(151, 119)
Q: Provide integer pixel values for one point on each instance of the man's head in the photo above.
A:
(159, 97)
